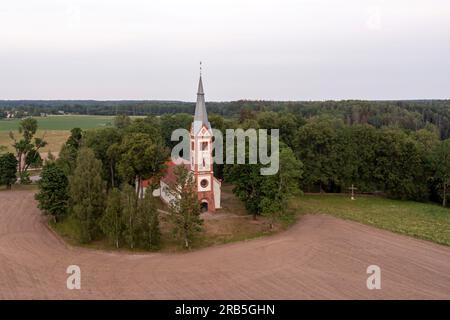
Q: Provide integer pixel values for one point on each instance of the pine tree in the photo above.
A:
(86, 190)
(184, 208)
(111, 222)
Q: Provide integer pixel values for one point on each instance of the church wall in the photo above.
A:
(166, 196)
(217, 187)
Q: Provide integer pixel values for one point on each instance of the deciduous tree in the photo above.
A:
(184, 207)
(112, 221)
(53, 191)
(27, 149)
(149, 221)
(86, 191)
(441, 161)
(8, 169)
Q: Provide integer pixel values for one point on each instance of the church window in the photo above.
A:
(204, 146)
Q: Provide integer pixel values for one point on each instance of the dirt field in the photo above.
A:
(319, 258)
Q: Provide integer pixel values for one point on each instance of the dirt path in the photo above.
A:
(319, 258)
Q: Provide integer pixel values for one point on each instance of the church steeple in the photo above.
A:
(200, 117)
(201, 154)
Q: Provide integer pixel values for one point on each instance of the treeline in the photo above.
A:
(409, 114)
(334, 155)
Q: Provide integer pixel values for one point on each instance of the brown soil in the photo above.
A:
(319, 258)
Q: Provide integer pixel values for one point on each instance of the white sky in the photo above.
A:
(254, 49)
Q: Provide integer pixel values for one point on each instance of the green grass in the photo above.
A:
(420, 220)
(62, 122)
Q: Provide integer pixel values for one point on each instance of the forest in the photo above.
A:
(407, 114)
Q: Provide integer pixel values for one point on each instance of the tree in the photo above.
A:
(101, 141)
(27, 150)
(278, 188)
(184, 207)
(149, 221)
(8, 169)
(169, 123)
(441, 165)
(247, 180)
(315, 146)
(86, 191)
(130, 215)
(399, 165)
(74, 140)
(267, 195)
(68, 154)
(142, 157)
(121, 121)
(53, 191)
(112, 222)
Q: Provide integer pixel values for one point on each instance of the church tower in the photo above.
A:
(201, 162)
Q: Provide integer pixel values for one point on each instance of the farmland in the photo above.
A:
(62, 122)
(55, 129)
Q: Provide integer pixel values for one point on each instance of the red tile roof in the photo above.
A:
(169, 174)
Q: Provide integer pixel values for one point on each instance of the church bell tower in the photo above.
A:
(201, 161)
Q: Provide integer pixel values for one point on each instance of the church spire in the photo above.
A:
(200, 117)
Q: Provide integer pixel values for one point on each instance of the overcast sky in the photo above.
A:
(254, 49)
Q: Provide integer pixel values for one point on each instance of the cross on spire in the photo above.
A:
(200, 116)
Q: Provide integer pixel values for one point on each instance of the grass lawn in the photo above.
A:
(420, 220)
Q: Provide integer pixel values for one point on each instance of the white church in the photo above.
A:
(200, 163)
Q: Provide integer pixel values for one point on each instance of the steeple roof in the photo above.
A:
(200, 117)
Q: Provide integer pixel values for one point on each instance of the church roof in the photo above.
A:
(168, 176)
(200, 117)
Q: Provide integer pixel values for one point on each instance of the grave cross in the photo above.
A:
(353, 192)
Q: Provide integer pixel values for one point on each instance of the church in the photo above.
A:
(200, 163)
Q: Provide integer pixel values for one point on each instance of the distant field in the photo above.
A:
(62, 122)
(420, 220)
(55, 129)
(54, 138)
